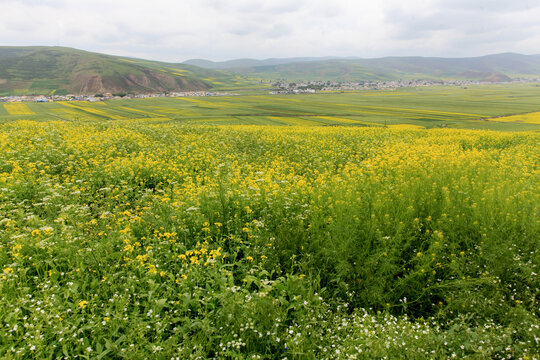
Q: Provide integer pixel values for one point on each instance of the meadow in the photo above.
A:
(154, 238)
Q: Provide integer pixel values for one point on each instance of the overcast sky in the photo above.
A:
(178, 30)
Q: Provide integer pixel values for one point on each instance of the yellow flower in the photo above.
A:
(83, 303)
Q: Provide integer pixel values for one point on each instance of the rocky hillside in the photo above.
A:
(46, 70)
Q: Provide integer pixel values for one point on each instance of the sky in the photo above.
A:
(175, 31)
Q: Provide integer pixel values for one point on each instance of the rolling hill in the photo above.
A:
(46, 70)
(499, 67)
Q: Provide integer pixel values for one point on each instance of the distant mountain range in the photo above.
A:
(241, 64)
(499, 67)
(47, 70)
(59, 70)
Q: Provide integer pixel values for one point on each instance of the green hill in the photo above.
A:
(497, 67)
(46, 70)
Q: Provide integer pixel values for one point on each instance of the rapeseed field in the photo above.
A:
(482, 107)
(529, 118)
(18, 109)
(151, 239)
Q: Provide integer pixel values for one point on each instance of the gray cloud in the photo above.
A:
(223, 29)
(488, 6)
(248, 6)
(468, 27)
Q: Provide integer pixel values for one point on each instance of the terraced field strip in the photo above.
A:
(298, 121)
(144, 112)
(167, 111)
(18, 109)
(267, 98)
(203, 103)
(529, 118)
(406, 126)
(413, 111)
(213, 121)
(392, 94)
(3, 111)
(390, 114)
(92, 110)
(70, 114)
(426, 111)
(344, 120)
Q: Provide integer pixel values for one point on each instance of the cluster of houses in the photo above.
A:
(106, 96)
(293, 91)
(309, 87)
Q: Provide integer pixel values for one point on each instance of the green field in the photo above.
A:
(452, 107)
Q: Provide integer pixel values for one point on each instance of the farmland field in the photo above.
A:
(480, 107)
(129, 231)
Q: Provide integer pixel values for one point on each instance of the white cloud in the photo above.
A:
(224, 29)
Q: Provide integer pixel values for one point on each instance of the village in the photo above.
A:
(107, 96)
(309, 87)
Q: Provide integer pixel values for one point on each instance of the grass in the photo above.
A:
(151, 238)
(475, 107)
